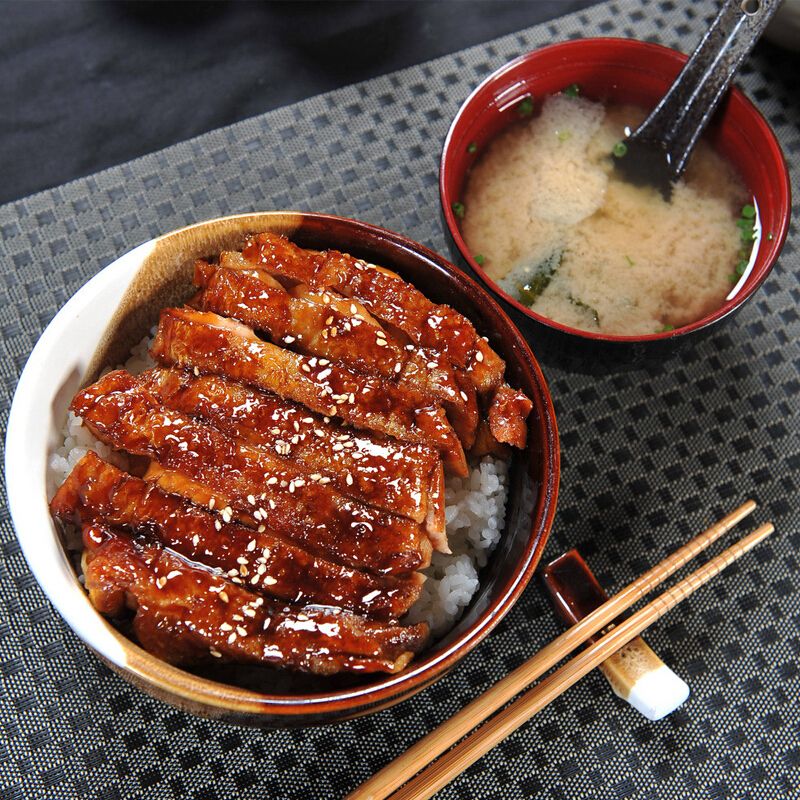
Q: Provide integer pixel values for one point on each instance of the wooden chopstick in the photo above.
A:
(479, 742)
(397, 772)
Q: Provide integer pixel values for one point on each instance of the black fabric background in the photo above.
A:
(87, 85)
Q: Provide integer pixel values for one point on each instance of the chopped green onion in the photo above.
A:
(573, 90)
(770, 237)
(525, 107)
(479, 259)
(741, 267)
(563, 135)
(619, 150)
(630, 261)
(459, 209)
(665, 329)
(749, 212)
(472, 147)
(733, 277)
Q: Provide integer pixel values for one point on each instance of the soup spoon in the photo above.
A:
(657, 152)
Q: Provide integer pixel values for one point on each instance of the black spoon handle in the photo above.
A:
(684, 111)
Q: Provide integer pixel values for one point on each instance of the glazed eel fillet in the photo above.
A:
(97, 492)
(210, 343)
(185, 614)
(391, 299)
(255, 486)
(322, 323)
(388, 297)
(406, 479)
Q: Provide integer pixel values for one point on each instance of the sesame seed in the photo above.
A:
(254, 580)
(243, 571)
(479, 356)
(251, 545)
(397, 367)
(315, 476)
(291, 487)
(241, 631)
(226, 626)
(223, 595)
(212, 503)
(431, 365)
(195, 540)
(305, 368)
(353, 308)
(251, 499)
(329, 320)
(272, 481)
(271, 504)
(324, 480)
(232, 638)
(326, 298)
(349, 479)
(196, 372)
(464, 396)
(161, 582)
(214, 652)
(351, 398)
(324, 374)
(262, 528)
(288, 339)
(173, 574)
(217, 524)
(270, 581)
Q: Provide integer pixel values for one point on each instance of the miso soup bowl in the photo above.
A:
(55, 371)
(616, 71)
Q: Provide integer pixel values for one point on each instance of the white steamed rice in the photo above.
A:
(475, 510)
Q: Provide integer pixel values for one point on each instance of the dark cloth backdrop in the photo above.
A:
(87, 85)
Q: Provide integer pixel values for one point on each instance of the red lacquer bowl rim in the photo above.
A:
(738, 102)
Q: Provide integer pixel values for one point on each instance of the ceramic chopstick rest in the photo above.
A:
(635, 672)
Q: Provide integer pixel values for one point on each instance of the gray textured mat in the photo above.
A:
(649, 458)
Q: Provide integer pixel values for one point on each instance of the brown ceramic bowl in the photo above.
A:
(56, 368)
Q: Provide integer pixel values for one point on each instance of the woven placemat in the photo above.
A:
(649, 457)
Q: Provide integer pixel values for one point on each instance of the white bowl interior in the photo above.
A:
(50, 379)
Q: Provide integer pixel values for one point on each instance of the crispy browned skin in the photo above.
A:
(215, 344)
(120, 412)
(99, 492)
(186, 614)
(321, 324)
(388, 297)
(507, 414)
(389, 474)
